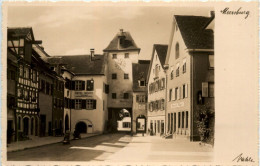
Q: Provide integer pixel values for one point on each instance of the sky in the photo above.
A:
(73, 30)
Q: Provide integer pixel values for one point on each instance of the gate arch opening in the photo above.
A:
(81, 127)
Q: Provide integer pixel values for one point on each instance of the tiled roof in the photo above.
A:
(81, 64)
(127, 44)
(20, 31)
(139, 72)
(161, 52)
(193, 32)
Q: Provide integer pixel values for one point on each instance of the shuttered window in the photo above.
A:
(90, 85)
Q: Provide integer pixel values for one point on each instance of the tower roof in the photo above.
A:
(123, 41)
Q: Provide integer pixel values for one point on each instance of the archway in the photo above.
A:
(66, 122)
(81, 127)
(26, 126)
(141, 124)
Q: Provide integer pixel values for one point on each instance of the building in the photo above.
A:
(190, 74)
(156, 79)
(139, 115)
(23, 117)
(86, 91)
(12, 75)
(121, 53)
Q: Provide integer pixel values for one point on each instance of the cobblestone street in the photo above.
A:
(119, 148)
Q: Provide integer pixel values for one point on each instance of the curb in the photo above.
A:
(52, 143)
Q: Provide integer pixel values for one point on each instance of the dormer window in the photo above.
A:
(157, 67)
(142, 82)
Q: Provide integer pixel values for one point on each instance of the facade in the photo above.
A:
(86, 91)
(12, 75)
(190, 74)
(157, 91)
(24, 116)
(121, 53)
(139, 115)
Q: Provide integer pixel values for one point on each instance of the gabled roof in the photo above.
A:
(140, 71)
(193, 32)
(161, 52)
(127, 44)
(21, 31)
(81, 64)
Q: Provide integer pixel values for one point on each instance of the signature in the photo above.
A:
(241, 158)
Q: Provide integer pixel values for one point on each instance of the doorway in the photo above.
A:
(81, 127)
(26, 126)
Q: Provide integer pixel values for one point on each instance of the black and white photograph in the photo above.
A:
(104, 82)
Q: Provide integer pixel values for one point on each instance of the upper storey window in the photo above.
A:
(211, 61)
(177, 53)
(157, 68)
(114, 56)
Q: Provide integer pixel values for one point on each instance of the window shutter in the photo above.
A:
(72, 85)
(83, 85)
(205, 86)
(94, 104)
(83, 104)
(186, 90)
(73, 104)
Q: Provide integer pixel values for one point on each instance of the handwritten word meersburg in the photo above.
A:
(235, 12)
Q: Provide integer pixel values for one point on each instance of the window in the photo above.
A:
(126, 124)
(114, 56)
(141, 98)
(126, 76)
(26, 96)
(179, 119)
(187, 119)
(126, 95)
(141, 82)
(126, 55)
(78, 104)
(156, 71)
(162, 104)
(184, 91)
(205, 86)
(184, 66)
(176, 94)
(182, 120)
(113, 95)
(172, 74)
(34, 76)
(211, 61)
(79, 85)
(177, 71)
(211, 89)
(26, 72)
(177, 53)
(90, 85)
(106, 88)
(114, 76)
(90, 104)
(170, 94)
(21, 71)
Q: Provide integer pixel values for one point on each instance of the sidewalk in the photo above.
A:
(153, 148)
(36, 141)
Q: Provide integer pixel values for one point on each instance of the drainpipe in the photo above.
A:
(165, 103)
(191, 97)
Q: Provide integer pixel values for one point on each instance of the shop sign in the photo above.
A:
(177, 105)
(83, 94)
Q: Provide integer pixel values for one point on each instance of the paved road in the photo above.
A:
(96, 148)
(119, 148)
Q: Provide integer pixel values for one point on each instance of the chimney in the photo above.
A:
(92, 52)
(212, 14)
